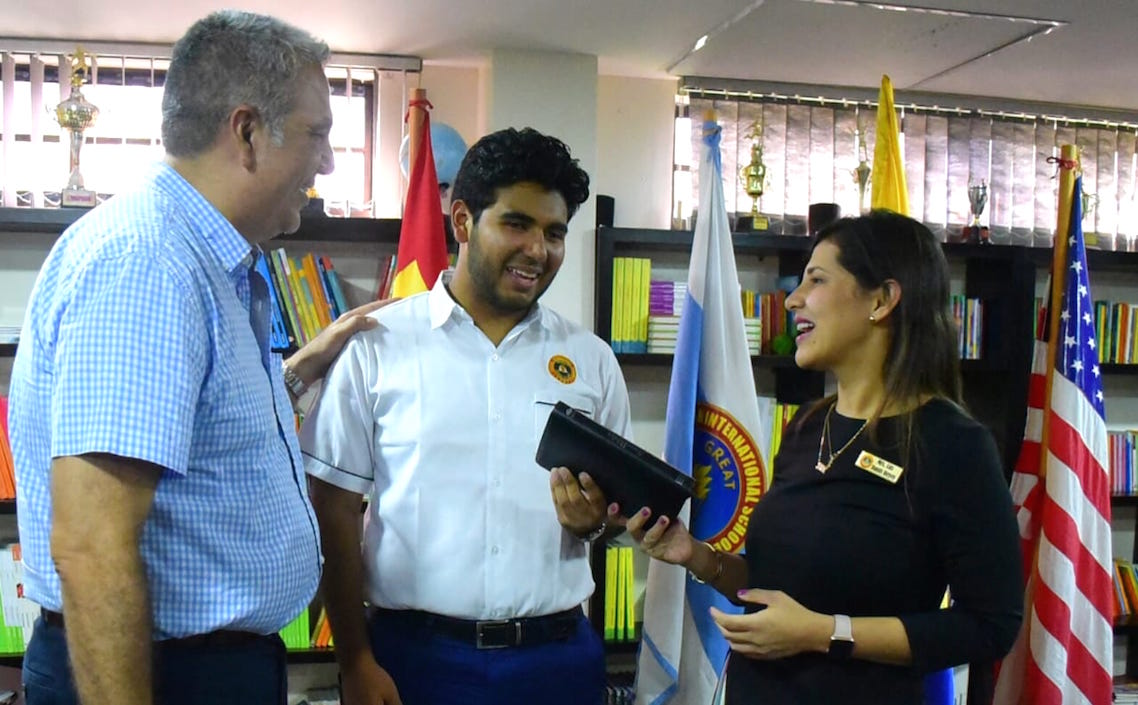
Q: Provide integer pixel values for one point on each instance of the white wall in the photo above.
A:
(634, 148)
(555, 94)
(454, 91)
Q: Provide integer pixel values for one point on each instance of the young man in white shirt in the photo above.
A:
(475, 581)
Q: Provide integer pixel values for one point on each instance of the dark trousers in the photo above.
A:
(184, 674)
(432, 669)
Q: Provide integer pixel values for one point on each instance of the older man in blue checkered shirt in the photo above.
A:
(163, 510)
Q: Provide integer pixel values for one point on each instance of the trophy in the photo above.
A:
(1089, 202)
(754, 176)
(978, 198)
(863, 170)
(75, 115)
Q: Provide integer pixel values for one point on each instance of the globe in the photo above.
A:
(448, 147)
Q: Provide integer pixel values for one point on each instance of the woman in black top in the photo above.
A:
(883, 495)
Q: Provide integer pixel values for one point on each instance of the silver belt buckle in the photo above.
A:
(480, 633)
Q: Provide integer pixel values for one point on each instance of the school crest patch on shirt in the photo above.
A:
(562, 369)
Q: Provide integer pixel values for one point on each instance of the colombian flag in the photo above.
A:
(422, 239)
(888, 176)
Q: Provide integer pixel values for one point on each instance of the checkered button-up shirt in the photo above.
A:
(138, 342)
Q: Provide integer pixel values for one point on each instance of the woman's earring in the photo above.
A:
(872, 318)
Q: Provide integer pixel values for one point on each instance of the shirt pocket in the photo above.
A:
(544, 401)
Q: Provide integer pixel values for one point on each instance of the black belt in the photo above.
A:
(491, 633)
(218, 639)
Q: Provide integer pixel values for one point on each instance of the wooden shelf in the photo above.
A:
(1117, 369)
(665, 360)
(622, 647)
(311, 656)
(1126, 624)
(312, 227)
(39, 220)
(358, 230)
(293, 656)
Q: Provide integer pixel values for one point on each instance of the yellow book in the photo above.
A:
(626, 556)
(319, 300)
(621, 595)
(615, 335)
(611, 563)
(628, 303)
(303, 311)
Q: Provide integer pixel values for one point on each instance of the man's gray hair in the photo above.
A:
(233, 58)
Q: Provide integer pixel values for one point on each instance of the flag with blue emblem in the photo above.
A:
(713, 433)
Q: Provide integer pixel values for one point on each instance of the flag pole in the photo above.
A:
(1068, 164)
(416, 112)
(1068, 159)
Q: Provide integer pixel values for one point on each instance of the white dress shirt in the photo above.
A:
(440, 427)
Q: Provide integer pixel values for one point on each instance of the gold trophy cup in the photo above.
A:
(754, 177)
(76, 114)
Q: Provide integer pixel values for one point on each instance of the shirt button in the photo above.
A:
(497, 483)
(496, 417)
(495, 357)
(494, 551)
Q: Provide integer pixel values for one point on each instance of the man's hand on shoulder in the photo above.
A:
(311, 362)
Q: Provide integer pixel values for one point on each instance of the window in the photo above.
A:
(125, 84)
(811, 151)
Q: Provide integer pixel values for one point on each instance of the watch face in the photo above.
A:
(841, 648)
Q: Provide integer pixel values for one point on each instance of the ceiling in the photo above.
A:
(1089, 58)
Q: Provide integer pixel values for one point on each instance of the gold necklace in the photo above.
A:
(825, 437)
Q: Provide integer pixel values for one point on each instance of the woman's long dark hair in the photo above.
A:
(922, 360)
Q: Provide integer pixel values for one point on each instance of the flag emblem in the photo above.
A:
(562, 369)
(731, 478)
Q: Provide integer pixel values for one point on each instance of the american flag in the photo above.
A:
(1061, 488)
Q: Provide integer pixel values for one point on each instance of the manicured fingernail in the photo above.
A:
(645, 512)
(613, 509)
(741, 593)
(663, 521)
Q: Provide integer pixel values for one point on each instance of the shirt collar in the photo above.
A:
(218, 234)
(443, 307)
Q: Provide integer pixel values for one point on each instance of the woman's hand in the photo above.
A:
(784, 628)
(665, 540)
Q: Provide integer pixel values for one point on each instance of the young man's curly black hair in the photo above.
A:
(510, 156)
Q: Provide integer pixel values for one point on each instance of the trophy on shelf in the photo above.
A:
(977, 198)
(1089, 202)
(863, 170)
(76, 114)
(754, 177)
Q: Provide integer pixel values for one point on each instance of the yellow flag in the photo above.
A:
(888, 176)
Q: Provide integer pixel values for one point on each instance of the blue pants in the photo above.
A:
(249, 674)
(431, 669)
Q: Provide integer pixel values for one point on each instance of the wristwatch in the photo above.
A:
(842, 641)
(293, 381)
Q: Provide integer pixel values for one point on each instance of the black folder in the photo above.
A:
(625, 472)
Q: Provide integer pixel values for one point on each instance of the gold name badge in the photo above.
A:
(876, 466)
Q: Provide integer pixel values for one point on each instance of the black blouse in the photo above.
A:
(850, 542)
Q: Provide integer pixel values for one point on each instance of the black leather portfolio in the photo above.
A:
(625, 472)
